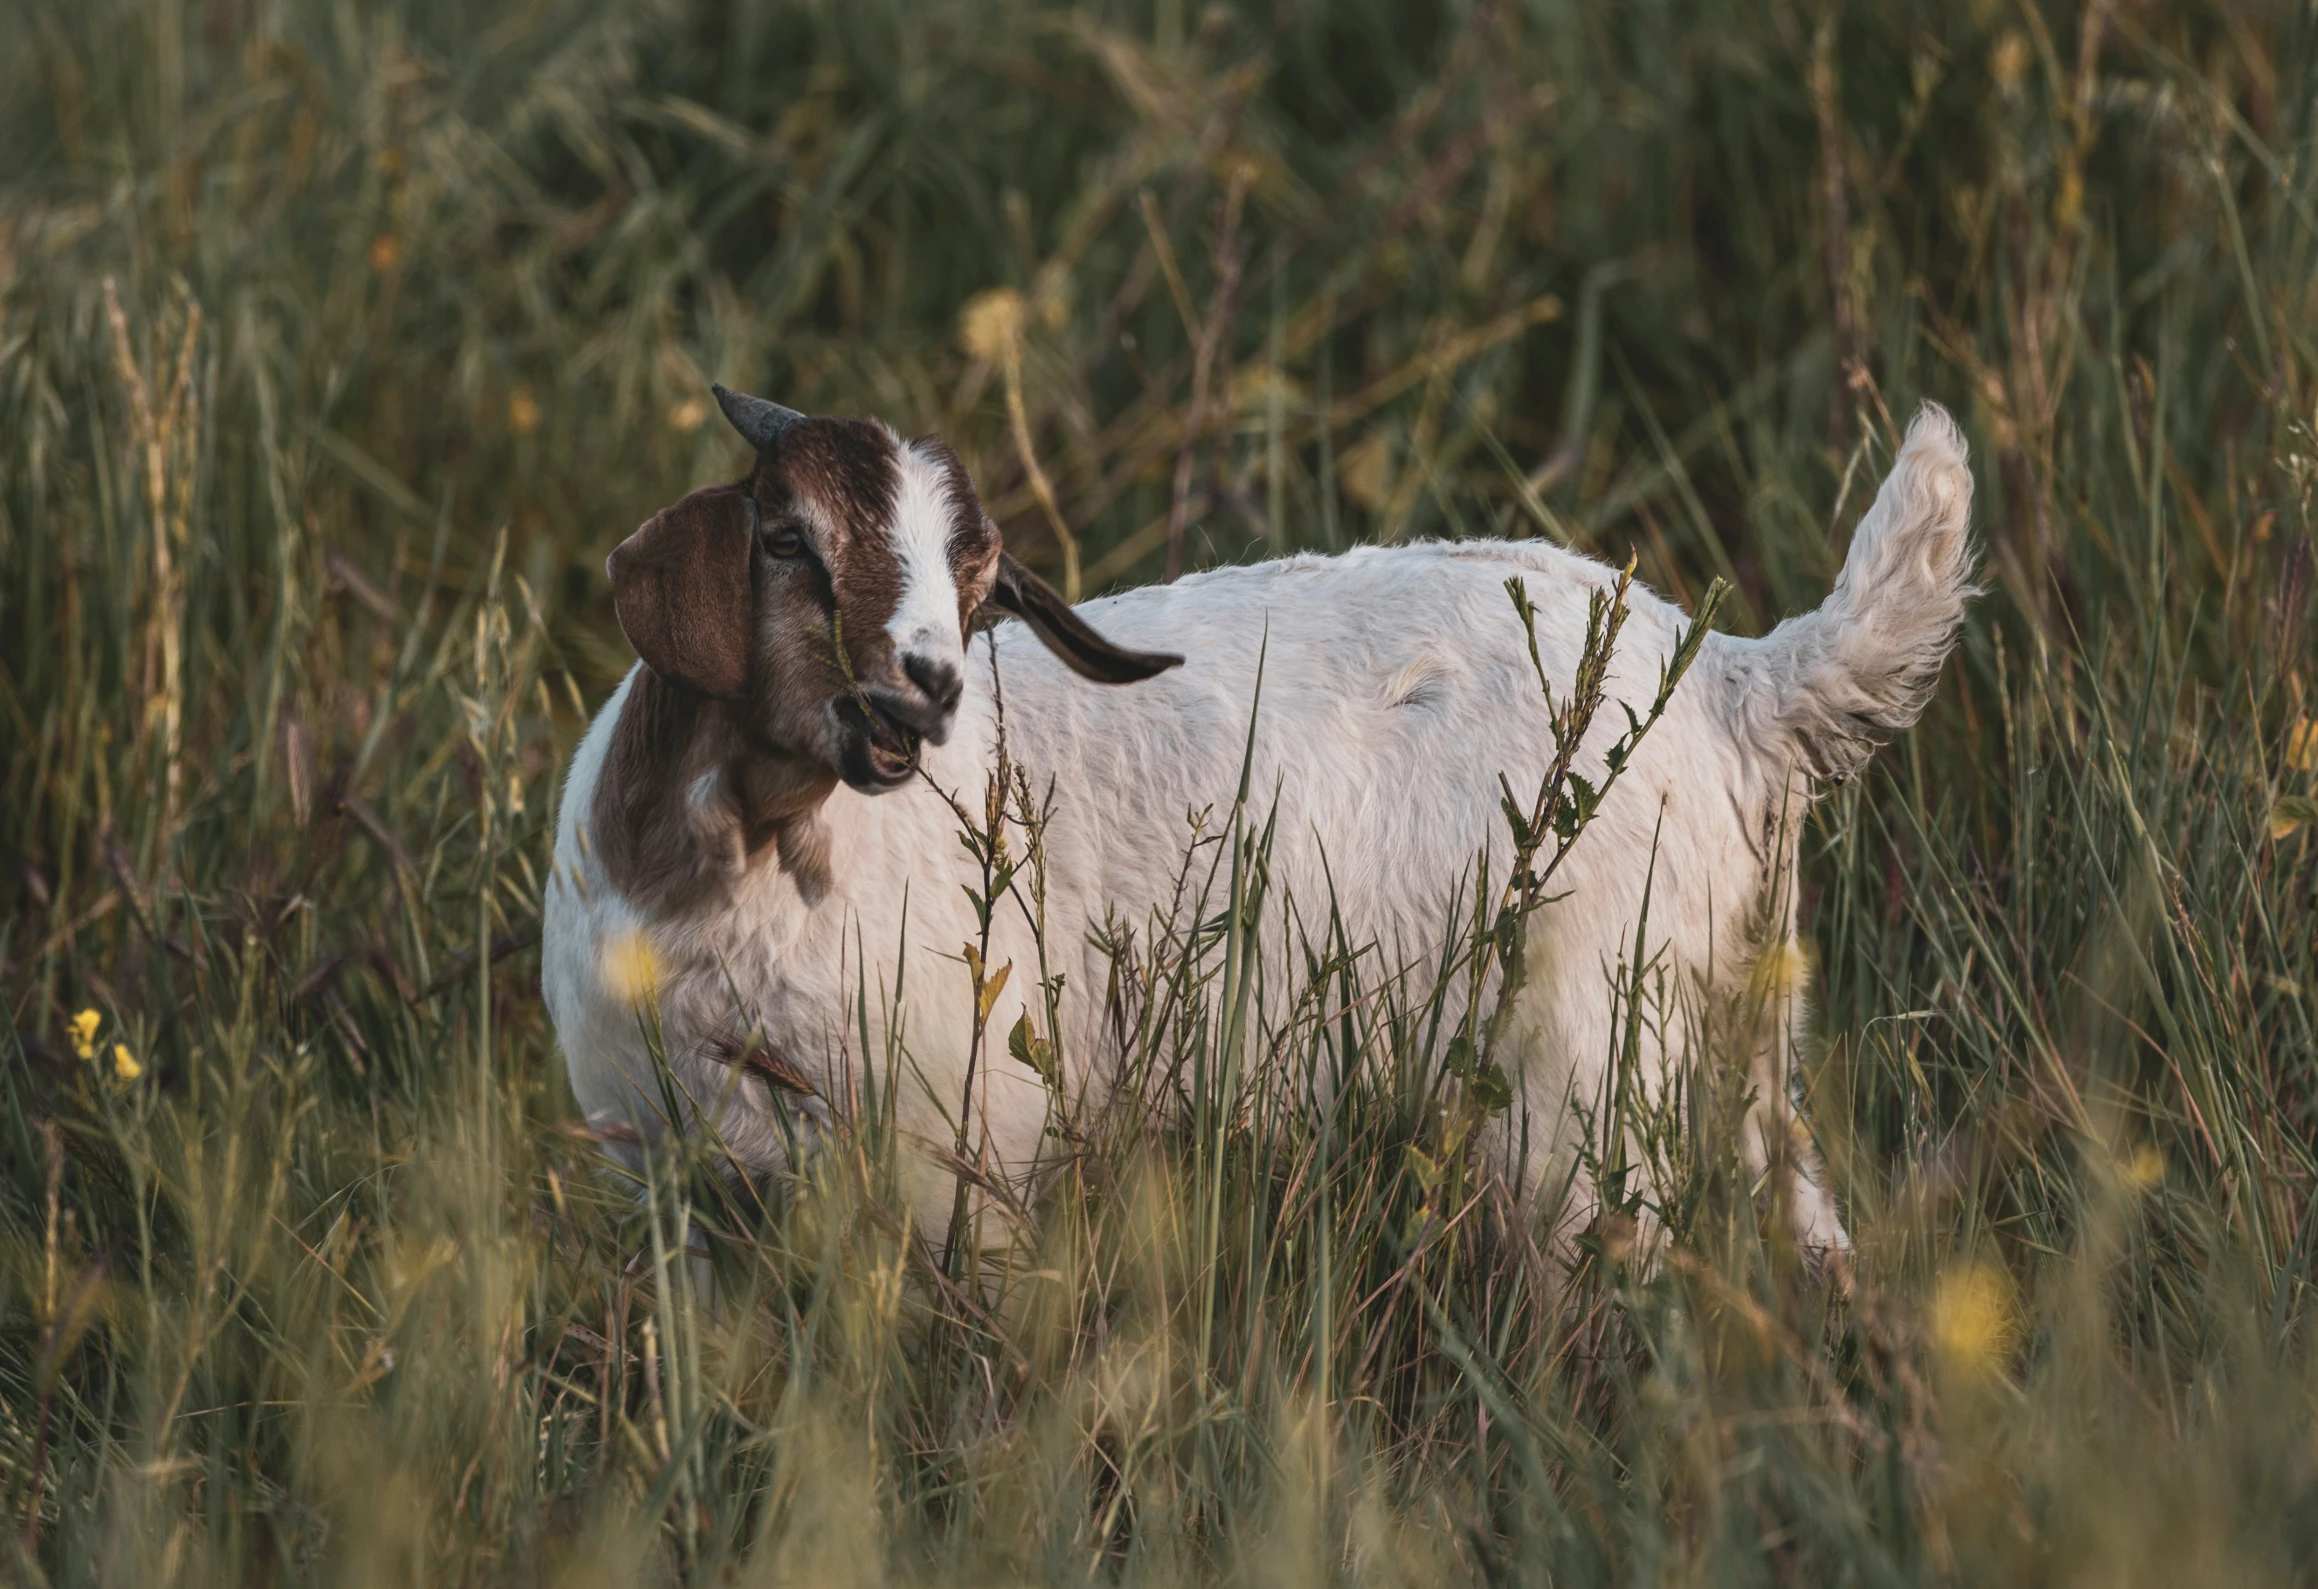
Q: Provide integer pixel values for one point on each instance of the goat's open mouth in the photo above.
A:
(881, 752)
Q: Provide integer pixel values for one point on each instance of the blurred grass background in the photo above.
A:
(339, 344)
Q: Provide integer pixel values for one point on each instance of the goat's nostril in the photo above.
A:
(940, 680)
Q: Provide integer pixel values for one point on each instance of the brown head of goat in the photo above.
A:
(801, 627)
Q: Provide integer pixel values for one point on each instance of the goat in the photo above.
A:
(766, 800)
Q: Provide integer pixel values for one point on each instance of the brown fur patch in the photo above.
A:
(842, 473)
(663, 847)
(636, 820)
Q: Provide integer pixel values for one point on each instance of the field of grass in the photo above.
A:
(339, 343)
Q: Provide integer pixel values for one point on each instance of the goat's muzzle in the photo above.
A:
(885, 728)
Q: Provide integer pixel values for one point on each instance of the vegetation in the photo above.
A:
(337, 346)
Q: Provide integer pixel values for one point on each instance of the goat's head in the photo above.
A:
(830, 594)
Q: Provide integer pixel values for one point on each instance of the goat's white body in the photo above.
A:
(1397, 687)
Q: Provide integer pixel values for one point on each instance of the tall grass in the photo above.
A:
(338, 344)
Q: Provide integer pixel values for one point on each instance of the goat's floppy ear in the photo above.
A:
(681, 587)
(1024, 595)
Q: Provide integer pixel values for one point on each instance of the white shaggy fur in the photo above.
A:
(1397, 688)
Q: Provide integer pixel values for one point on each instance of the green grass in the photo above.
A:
(301, 606)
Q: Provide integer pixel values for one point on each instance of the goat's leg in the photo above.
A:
(1777, 1144)
(1585, 1081)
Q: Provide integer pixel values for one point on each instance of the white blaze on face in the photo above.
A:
(925, 619)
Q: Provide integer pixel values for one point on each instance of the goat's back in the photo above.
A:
(1396, 691)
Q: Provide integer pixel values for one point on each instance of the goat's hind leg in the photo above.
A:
(1777, 1145)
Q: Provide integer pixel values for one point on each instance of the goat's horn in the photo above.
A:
(759, 422)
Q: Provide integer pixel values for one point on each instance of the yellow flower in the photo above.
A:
(630, 968)
(990, 326)
(688, 415)
(84, 1033)
(125, 1066)
(1972, 1318)
(522, 411)
(2144, 1169)
(1784, 968)
(1254, 387)
(2008, 63)
(1240, 170)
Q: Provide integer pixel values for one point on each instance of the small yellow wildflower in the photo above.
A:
(1240, 169)
(125, 1066)
(990, 326)
(1254, 388)
(688, 415)
(2008, 63)
(2144, 1169)
(84, 1033)
(1784, 968)
(630, 968)
(522, 411)
(1972, 1319)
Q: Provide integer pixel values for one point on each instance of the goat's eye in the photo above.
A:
(785, 540)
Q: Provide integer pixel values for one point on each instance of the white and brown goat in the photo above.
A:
(763, 810)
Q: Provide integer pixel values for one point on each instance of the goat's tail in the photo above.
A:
(1822, 690)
